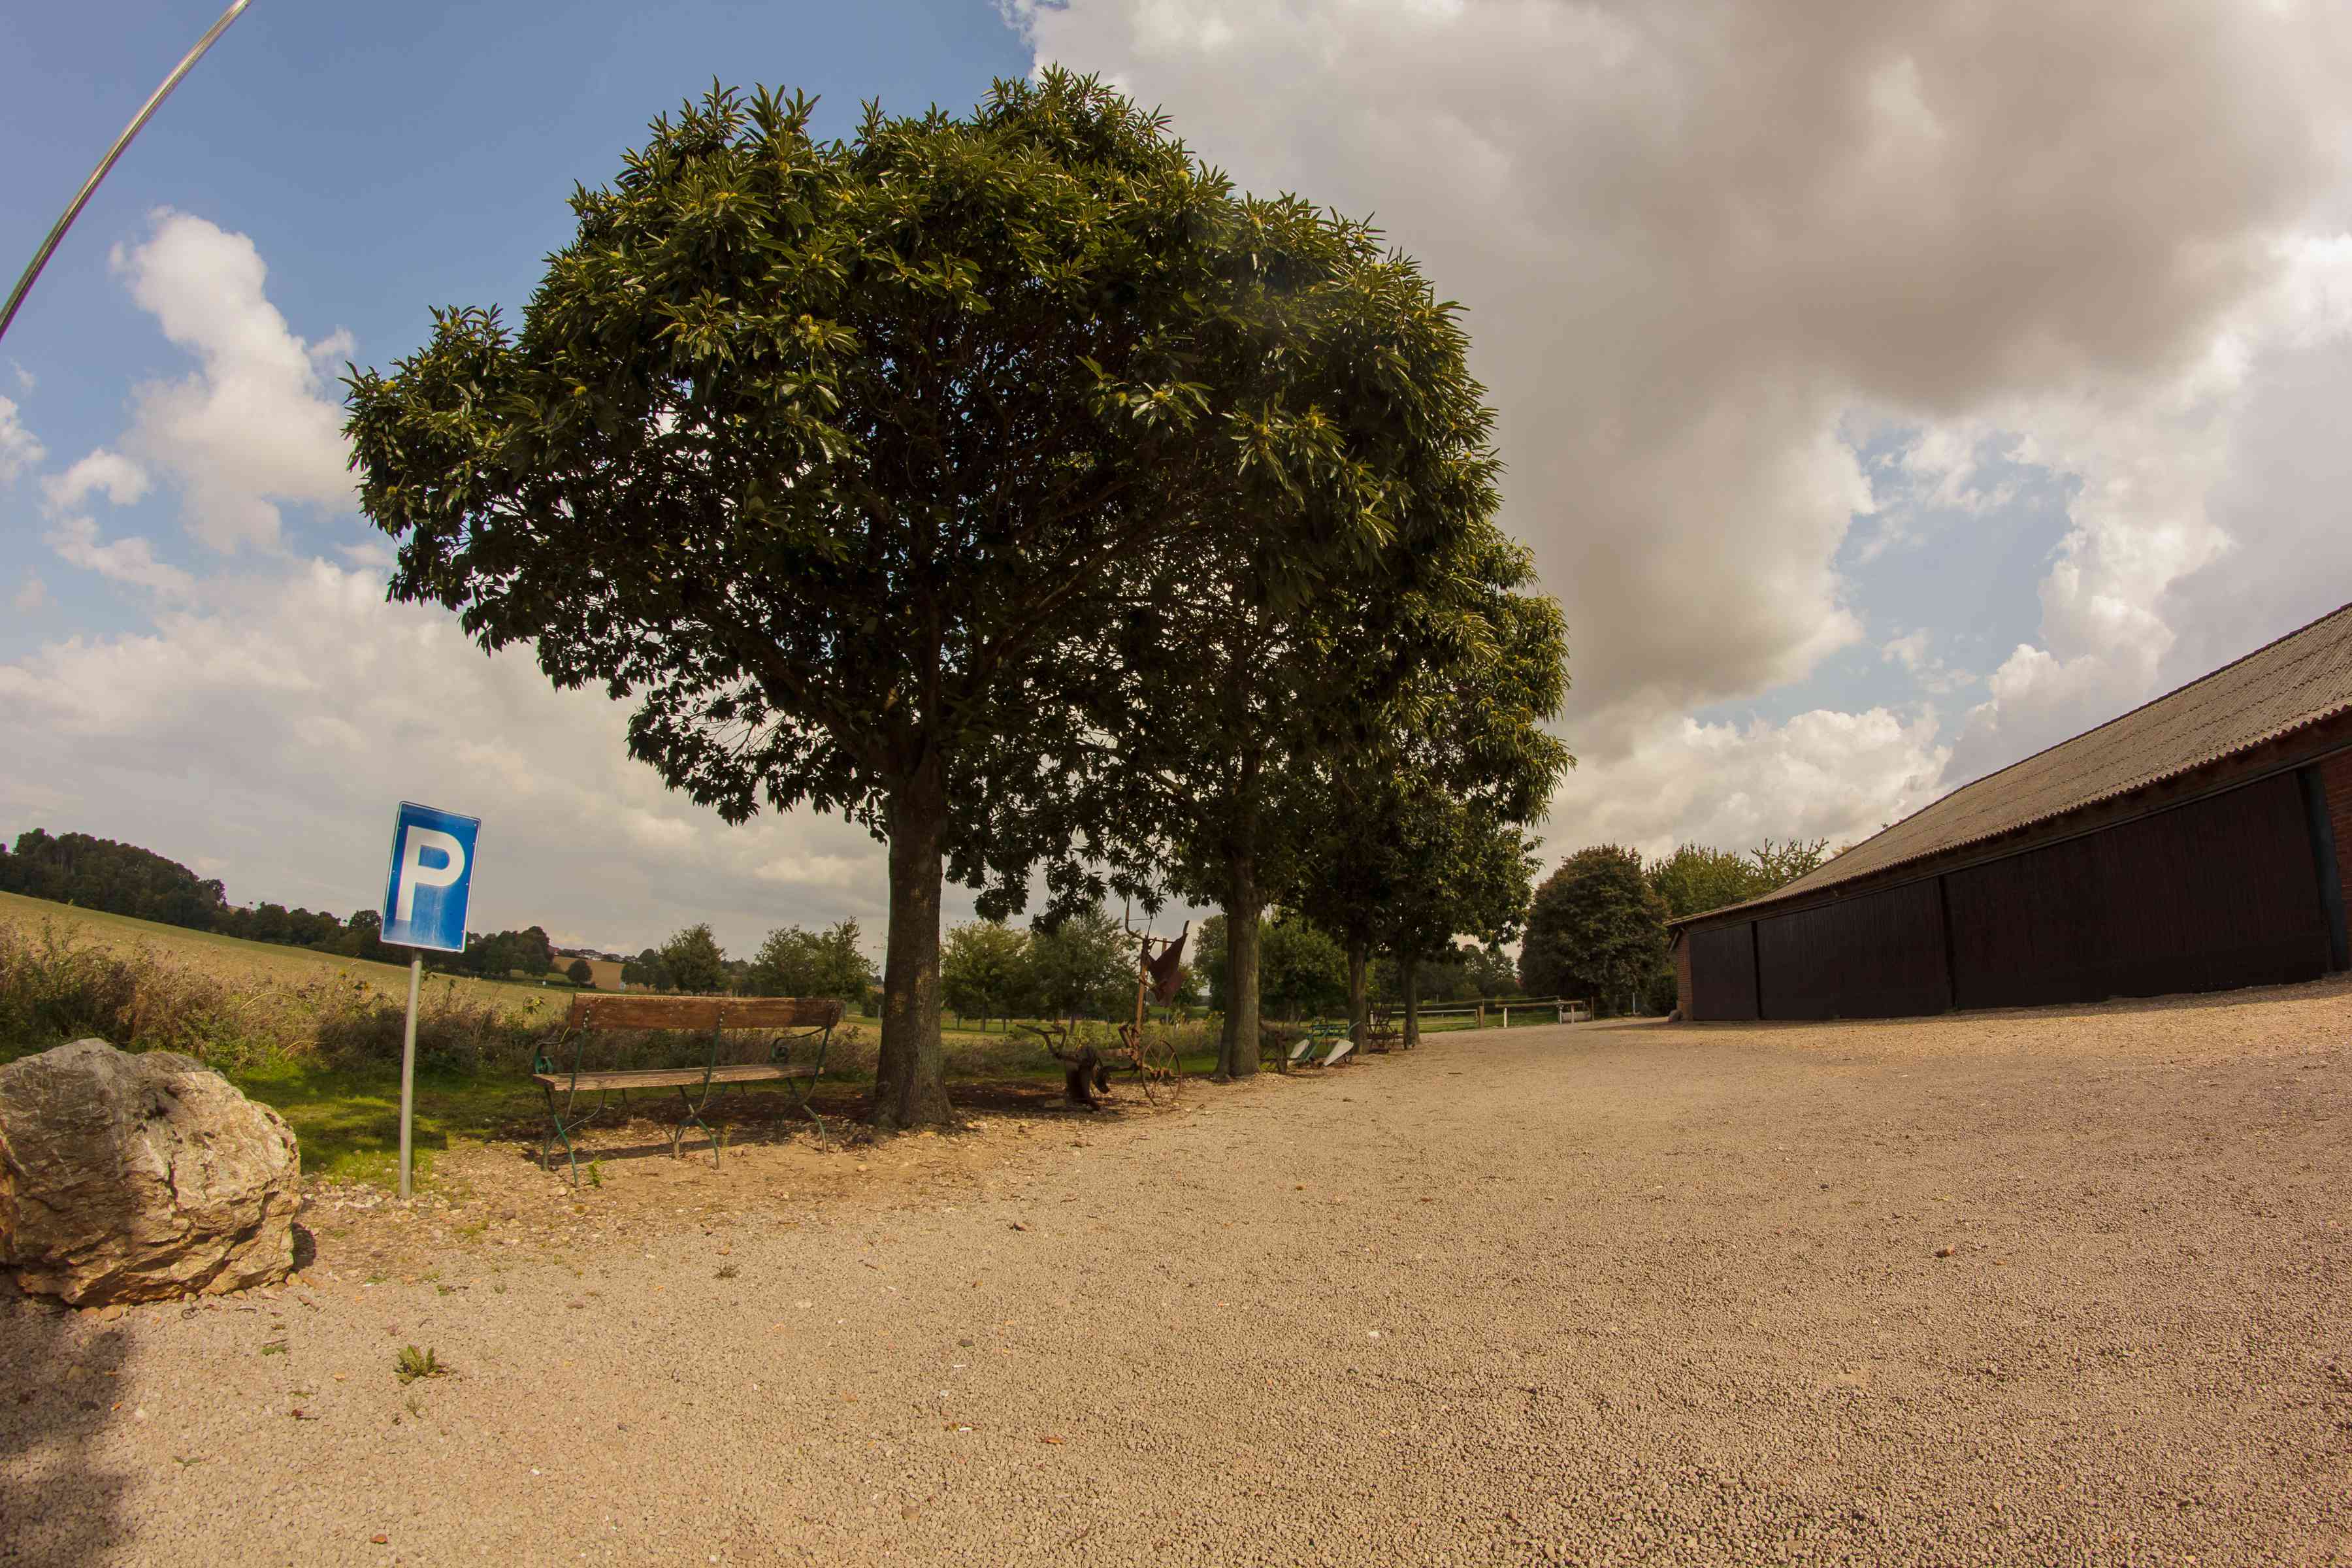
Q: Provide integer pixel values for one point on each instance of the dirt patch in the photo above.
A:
(491, 1206)
(2078, 1292)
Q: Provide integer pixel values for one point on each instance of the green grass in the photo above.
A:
(349, 1121)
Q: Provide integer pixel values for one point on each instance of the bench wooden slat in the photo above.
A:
(675, 1077)
(702, 1012)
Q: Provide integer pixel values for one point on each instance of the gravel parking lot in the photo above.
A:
(2055, 1287)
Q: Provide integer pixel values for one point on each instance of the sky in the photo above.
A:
(1887, 390)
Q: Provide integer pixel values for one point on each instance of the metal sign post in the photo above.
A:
(408, 1067)
(424, 910)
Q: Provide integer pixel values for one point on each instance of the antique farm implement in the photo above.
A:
(1150, 1056)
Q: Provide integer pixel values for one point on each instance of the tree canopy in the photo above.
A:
(1304, 973)
(1596, 929)
(1421, 836)
(1080, 964)
(837, 456)
(118, 878)
(984, 970)
(1697, 878)
(693, 962)
(797, 962)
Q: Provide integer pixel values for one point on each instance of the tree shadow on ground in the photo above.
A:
(642, 1130)
(58, 1504)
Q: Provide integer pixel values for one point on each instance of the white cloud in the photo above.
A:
(122, 481)
(1928, 672)
(32, 596)
(132, 561)
(2205, 520)
(1705, 247)
(255, 426)
(1691, 240)
(270, 726)
(1823, 774)
(25, 380)
(1909, 651)
(20, 450)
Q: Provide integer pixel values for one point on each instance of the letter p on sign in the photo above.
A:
(432, 873)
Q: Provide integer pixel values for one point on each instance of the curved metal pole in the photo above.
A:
(25, 284)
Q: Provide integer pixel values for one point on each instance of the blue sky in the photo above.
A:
(383, 159)
(1883, 402)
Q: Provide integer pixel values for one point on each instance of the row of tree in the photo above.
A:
(1596, 927)
(1014, 485)
(791, 962)
(1083, 966)
(1080, 966)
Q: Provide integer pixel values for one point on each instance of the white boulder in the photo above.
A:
(139, 1177)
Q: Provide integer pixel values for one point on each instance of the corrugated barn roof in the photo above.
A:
(2301, 677)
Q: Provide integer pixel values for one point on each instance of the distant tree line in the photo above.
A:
(791, 961)
(1083, 966)
(118, 878)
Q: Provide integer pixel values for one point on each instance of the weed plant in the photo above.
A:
(413, 1363)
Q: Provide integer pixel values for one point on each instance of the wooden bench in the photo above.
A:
(1383, 1036)
(789, 1021)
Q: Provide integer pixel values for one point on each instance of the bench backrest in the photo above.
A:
(703, 1013)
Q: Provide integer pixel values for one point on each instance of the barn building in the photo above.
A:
(2199, 843)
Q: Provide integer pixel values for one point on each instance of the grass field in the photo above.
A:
(344, 1106)
(233, 959)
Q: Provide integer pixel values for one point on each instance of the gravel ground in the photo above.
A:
(2054, 1286)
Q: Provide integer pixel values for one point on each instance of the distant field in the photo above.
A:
(231, 958)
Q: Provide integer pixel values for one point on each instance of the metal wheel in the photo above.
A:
(1163, 1072)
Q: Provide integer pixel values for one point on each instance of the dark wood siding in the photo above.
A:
(2335, 777)
(2209, 895)
(1723, 971)
(1880, 955)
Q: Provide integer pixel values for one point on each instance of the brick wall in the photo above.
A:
(2335, 772)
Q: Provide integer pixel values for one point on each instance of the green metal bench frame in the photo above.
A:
(792, 1019)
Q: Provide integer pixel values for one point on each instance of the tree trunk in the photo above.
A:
(1408, 971)
(910, 1077)
(1360, 992)
(1237, 1048)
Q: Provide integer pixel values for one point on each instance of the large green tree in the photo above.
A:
(796, 962)
(833, 455)
(1247, 680)
(120, 879)
(1596, 929)
(984, 970)
(693, 962)
(1697, 878)
(1081, 963)
(1421, 838)
(1472, 866)
(1303, 971)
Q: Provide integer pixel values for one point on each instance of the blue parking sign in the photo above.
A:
(432, 871)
